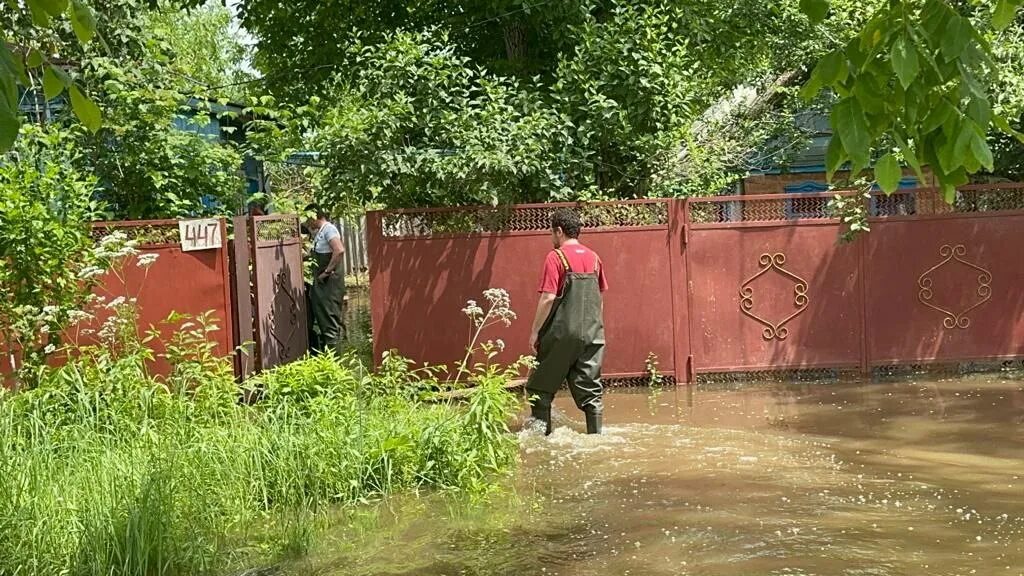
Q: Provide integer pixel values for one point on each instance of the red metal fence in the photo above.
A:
(192, 282)
(726, 285)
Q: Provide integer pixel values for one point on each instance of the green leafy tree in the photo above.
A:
(148, 166)
(628, 82)
(418, 125)
(914, 85)
(40, 38)
(203, 47)
(45, 245)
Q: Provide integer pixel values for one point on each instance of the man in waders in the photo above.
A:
(327, 292)
(568, 330)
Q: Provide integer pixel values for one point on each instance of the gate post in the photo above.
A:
(241, 290)
(862, 280)
(378, 284)
(678, 287)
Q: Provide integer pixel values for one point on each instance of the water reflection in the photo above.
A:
(880, 479)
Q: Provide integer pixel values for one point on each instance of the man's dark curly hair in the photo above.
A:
(568, 220)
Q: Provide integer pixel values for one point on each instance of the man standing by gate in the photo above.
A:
(327, 291)
(568, 329)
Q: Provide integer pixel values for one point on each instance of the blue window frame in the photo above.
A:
(797, 208)
(896, 205)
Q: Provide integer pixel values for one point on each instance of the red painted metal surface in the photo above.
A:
(728, 284)
(943, 290)
(185, 282)
(279, 310)
(769, 296)
(419, 286)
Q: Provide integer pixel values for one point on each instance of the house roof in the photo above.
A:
(811, 158)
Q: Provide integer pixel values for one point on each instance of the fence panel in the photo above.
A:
(729, 286)
(767, 293)
(947, 287)
(427, 264)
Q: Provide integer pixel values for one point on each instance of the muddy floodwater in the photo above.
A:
(819, 479)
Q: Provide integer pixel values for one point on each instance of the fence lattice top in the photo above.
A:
(484, 220)
(910, 202)
(276, 228)
(144, 232)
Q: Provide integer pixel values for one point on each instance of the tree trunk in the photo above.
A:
(515, 41)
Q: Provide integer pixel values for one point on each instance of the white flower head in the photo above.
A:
(116, 302)
(90, 272)
(76, 316)
(50, 349)
(146, 260)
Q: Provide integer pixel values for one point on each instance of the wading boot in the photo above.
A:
(542, 413)
(593, 421)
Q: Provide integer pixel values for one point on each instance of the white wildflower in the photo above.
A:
(499, 344)
(116, 302)
(472, 309)
(90, 272)
(44, 329)
(50, 349)
(76, 316)
(146, 260)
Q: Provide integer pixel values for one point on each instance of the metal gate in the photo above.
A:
(270, 304)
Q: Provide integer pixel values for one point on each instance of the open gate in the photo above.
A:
(270, 294)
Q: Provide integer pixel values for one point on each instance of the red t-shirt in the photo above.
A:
(581, 260)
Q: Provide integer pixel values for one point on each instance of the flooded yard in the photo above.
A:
(817, 479)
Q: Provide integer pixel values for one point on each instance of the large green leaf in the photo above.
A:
(34, 59)
(849, 123)
(1004, 126)
(981, 151)
(905, 61)
(9, 125)
(816, 10)
(980, 110)
(957, 34)
(83, 21)
(40, 16)
(86, 110)
(53, 7)
(938, 116)
(834, 157)
(1005, 12)
(888, 173)
(948, 192)
(870, 94)
(834, 68)
(831, 68)
(910, 155)
(53, 84)
(962, 144)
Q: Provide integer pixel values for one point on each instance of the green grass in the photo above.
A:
(104, 470)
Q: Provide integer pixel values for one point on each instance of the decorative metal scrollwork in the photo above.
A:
(284, 300)
(769, 262)
(954, 319)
